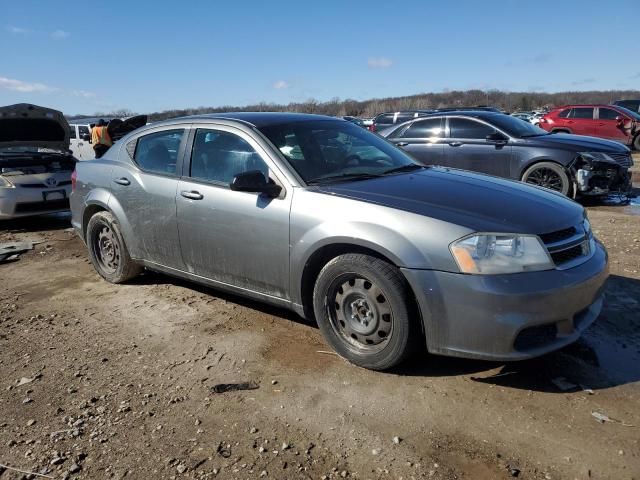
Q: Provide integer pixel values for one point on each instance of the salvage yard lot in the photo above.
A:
(117, 383)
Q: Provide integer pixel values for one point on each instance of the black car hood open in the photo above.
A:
(579, 143)
(479, 202)
(26, 125)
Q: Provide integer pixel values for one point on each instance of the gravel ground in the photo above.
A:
(115, 381)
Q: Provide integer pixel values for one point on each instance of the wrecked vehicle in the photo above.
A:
(35, 161)
(385, 254)
(509, 147)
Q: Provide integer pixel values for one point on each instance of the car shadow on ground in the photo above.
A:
(38, 223)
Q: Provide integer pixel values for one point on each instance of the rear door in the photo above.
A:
(607, 126)
(423, 140)
(581, 121)
(467, 147)
(145, 190)
(236, 238)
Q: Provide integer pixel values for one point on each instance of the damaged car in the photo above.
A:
(35, 161)
(508, 147)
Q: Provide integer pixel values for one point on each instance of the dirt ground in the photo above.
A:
(114, 381)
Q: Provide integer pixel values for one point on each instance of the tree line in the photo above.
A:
(507, 101)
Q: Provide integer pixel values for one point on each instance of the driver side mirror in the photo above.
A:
(254, 181)
(497, 137)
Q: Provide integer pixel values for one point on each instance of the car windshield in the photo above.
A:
(516, 127)
(326, 151)
(631, 113)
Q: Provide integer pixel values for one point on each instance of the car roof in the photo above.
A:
(484, 114)
(260, 119)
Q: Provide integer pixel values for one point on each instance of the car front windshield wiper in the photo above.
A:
(409, 167)
(342, 177)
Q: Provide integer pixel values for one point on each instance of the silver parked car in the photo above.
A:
(35, 161)
(321, 216)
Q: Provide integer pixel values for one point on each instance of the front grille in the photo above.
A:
(51, 205)
(534, 337)
(42, 185)
(622, 159)
(567, 255)
(558, 236)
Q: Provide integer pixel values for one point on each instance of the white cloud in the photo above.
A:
(83, 93)
(280, 84)
(18, 30)
(379, 62)
(24, 87)
(60, 34)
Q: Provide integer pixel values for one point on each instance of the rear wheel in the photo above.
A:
(108, 251)
(365, 311)
(549, 175)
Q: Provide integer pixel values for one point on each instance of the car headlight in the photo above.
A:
(5, 183)
(496, 253)
(596, 157)
(587, 227)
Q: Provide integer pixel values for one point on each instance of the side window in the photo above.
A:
(608, 114)
(582, 112)
(72, 132)
(564, 113)
(82, 130)
(424, 129)
(386, 119)
(218, 156)
(464, 128)
(158, 152)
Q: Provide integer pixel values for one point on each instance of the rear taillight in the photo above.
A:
(74, 176)
(372, 127)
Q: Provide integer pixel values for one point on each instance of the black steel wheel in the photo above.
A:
(366, 312)
(107, 250)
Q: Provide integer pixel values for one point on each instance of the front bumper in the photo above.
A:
(509, 317)
(23, 202)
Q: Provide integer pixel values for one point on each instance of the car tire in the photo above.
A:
(379, 328)
(107, 250)
(636, 143)
(549, 175)
(560, 130)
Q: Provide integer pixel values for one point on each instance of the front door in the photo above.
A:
(467, 148)
(581, 121)
(146, 192)
(608, 127)
(423, 141)
(236, 238)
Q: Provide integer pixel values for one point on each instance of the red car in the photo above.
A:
(605, 121)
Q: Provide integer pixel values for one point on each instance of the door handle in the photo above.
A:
(455, 144)
(191, 195)
(122, 181)
(402, 144)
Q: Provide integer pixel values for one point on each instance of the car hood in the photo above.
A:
(479, 202)
(580, 143)
(26, 125)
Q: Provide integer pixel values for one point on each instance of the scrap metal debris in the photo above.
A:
(602, 418)
(12, 250)
(232, 387)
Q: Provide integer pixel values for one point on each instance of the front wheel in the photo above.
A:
(365, 311)
(108, 251)
(549, 175)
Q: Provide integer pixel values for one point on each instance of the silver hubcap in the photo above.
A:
(107, 249)
(360, 313)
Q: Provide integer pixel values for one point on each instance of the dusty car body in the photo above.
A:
(508, 147)
(35, 161)
(380, 251)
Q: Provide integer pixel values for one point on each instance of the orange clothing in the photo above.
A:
(100, 136)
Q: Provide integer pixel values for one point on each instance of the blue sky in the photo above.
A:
(83, 57)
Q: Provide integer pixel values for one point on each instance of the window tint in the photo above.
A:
(582, 112)
(158, 152)
(72, 132)
(424, 129)
(608, 114)
(464, 128)
(564, 113)
(219, 156)
(82, 130)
